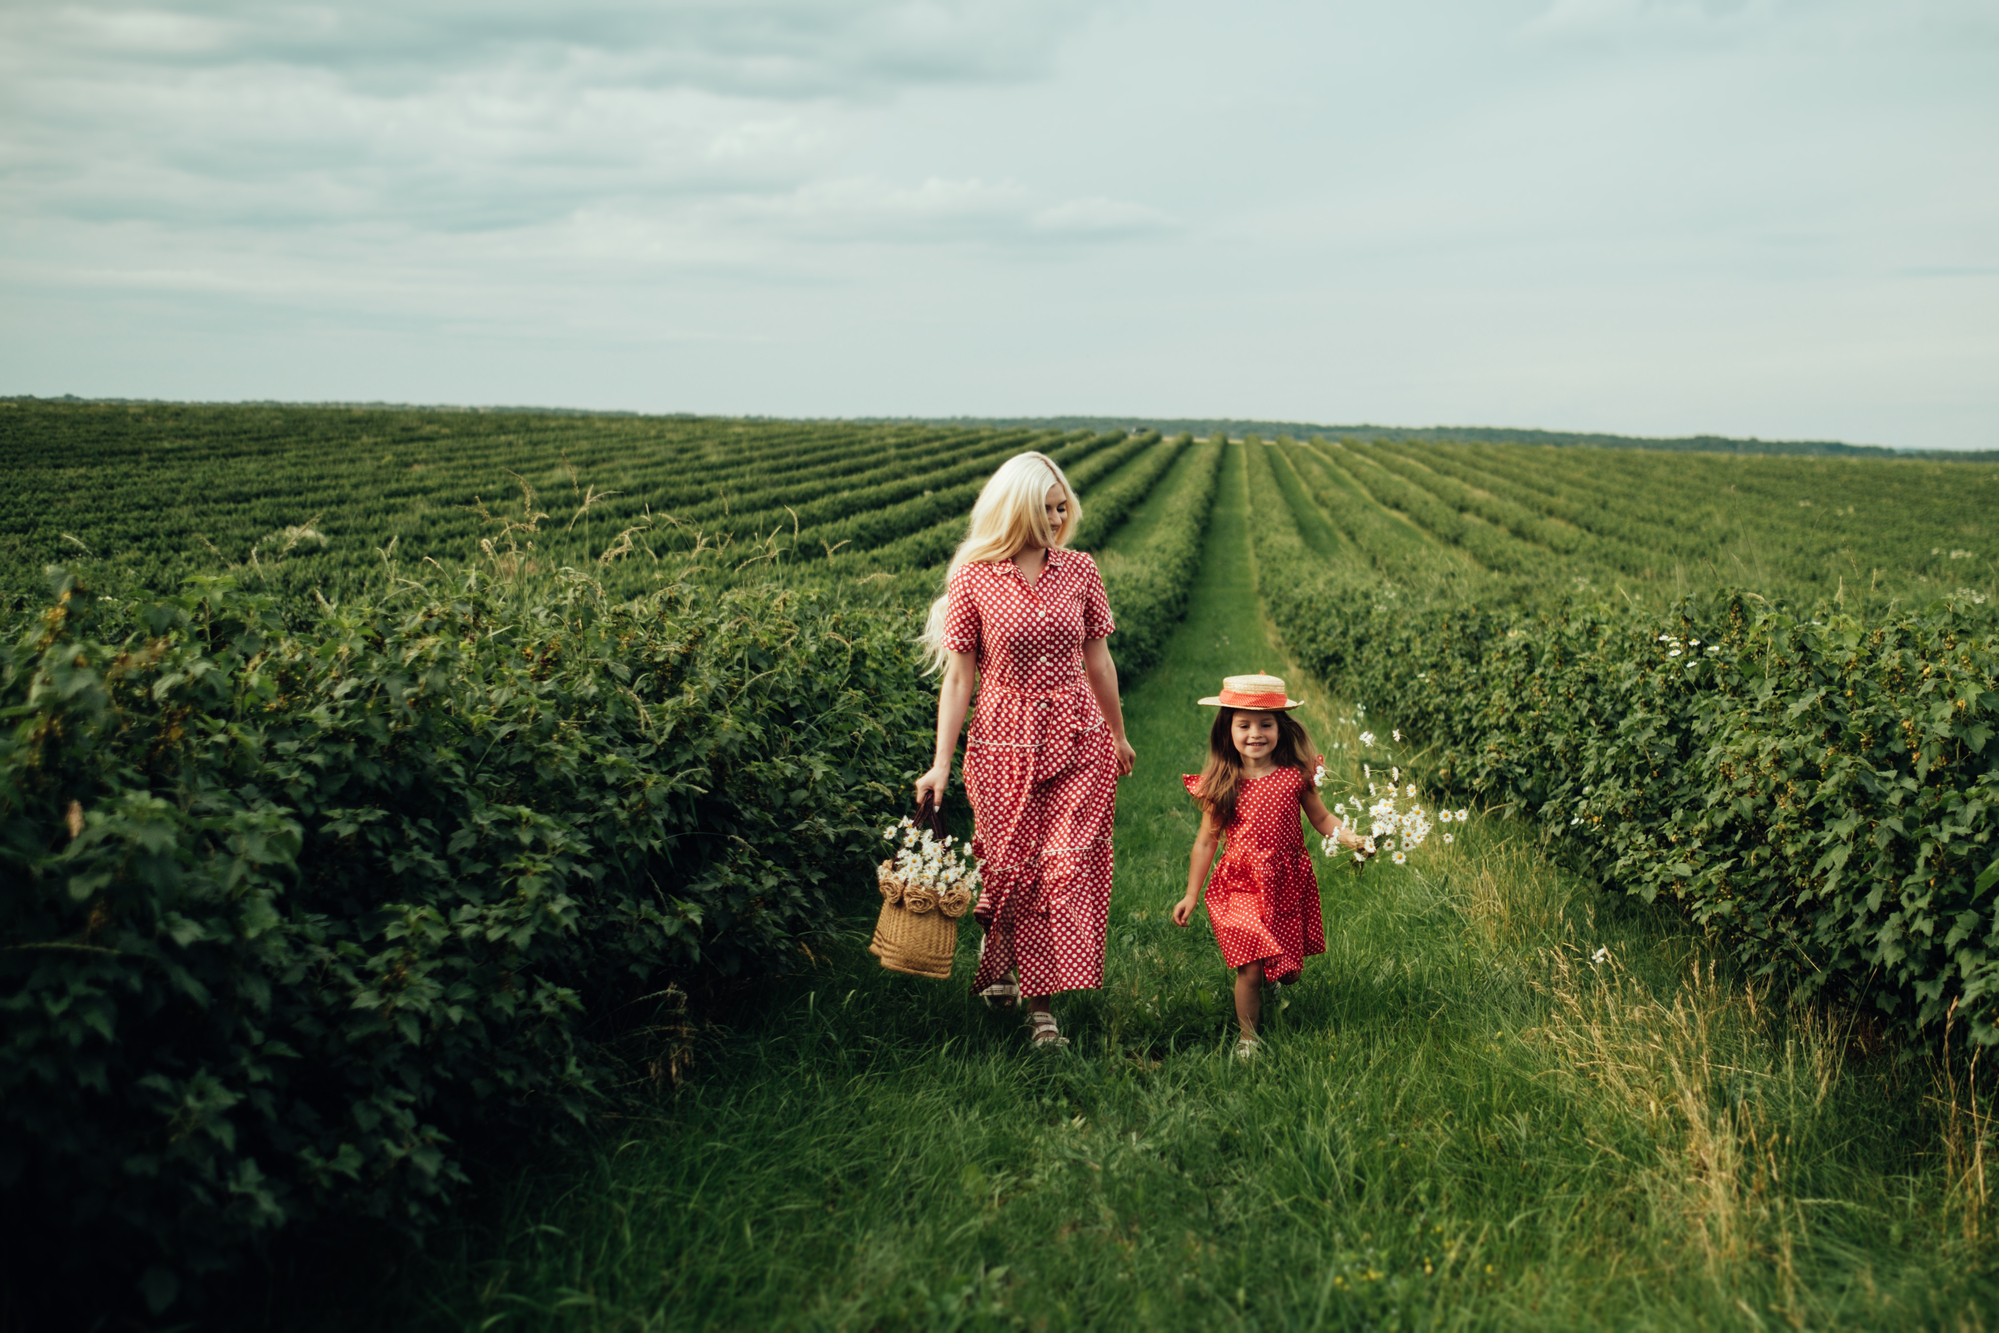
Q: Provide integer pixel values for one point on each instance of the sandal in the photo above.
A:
(1247, 1047)
(1046, 1033)
(1003, 994)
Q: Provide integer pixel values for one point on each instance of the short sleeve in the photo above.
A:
(1192, 782)
(961, 613)
(1097, 622)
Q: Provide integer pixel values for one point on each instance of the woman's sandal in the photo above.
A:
(1046, 1033)
(1003, 994)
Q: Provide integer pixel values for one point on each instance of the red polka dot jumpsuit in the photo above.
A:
(1263, 899)
(1040, 767)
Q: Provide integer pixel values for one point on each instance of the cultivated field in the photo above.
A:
(500, 846)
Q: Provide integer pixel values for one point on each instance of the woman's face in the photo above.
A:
(1255, 735)
(1056, 506)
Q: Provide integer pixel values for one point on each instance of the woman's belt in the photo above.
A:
(1063, 691)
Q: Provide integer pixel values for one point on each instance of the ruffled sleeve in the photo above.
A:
(1097, 621)
(961, 614)
(1191, 781)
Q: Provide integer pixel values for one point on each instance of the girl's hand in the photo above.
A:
(1348, 838)
(933, 785)
(1182, 910)
(1126, 758)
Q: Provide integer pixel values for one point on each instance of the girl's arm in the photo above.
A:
(1102, 673)
(953, 699)
(1198, 866)
(1329, 824)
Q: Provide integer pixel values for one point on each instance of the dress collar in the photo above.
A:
(1052, 561)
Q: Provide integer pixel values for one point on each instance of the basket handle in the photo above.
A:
(930, 817)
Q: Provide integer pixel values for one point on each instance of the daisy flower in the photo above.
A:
(1400, 858)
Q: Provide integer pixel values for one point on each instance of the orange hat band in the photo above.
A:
(1230, 699)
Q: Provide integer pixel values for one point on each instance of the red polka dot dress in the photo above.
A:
(1263, 899)
(1040, 767)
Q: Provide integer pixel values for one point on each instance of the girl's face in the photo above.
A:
(1255, 735)
(1056, 505)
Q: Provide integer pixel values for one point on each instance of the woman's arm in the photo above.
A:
(953, 699)
(1102, 672)
(1329, 824)
(1198, 866)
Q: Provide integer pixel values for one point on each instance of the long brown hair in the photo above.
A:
(1221, 777)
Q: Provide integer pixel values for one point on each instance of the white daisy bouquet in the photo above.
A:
(1393, 827)
(928, 869)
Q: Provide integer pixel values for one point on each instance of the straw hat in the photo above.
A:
(1263, 694)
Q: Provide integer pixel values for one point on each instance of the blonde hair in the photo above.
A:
(1009, 516)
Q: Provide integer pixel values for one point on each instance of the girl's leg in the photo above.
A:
(1249, 997)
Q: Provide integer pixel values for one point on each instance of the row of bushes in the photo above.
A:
(301, 909)
(1148, 570)
(1821, 791)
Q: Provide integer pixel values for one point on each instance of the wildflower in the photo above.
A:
(1360, 857)
(1577, 820)
(1462, 816)
(1400, 858)
(1409, 790)
(1340, 808)
(1695, 642)
(1602, 955)
(1396, 733)
(1319, 776)
(1674, 653)
(1448, 840)
(1367, 739)
(1367, 845)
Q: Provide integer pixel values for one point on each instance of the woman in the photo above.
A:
(1028, 619)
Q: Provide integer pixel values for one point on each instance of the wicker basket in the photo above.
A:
(918, 930)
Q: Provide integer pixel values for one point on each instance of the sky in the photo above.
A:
(1652, 217)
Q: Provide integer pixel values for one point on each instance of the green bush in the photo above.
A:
(297, 918)
(1822, 792)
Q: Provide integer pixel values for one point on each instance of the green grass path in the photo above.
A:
(1459, 1120)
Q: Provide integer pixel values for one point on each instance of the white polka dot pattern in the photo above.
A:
(1040, 767)
(1263, 899)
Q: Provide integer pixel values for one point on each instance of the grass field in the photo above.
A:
(1505, 1098)
(1502, 1100)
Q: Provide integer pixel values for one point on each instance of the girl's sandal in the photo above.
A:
(1247, 1047)
(1046, 1033)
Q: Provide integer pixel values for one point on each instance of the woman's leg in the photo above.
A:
(1249, 997)
(1041, 1023)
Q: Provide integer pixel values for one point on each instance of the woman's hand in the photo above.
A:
(933, 784)
(1127, 757)
(1182, 910)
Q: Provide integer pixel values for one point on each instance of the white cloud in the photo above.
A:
(1101, 217)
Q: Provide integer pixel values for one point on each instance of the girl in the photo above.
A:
(1264, 899)
(1027, 619)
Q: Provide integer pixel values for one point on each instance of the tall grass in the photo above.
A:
(1502, 1099)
